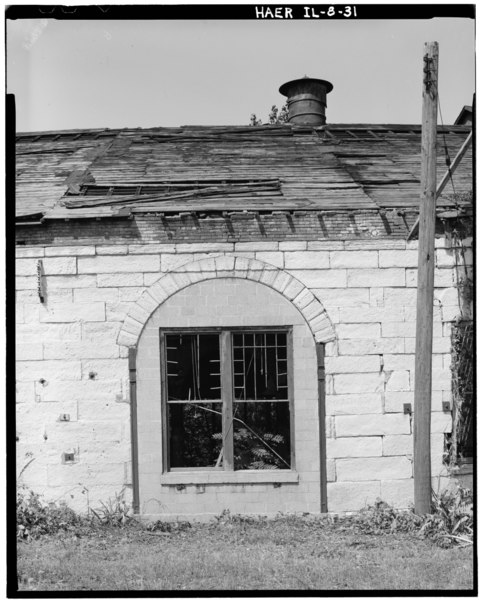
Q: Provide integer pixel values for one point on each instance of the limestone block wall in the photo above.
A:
(70, 361)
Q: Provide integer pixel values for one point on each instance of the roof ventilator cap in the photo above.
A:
(306, 100)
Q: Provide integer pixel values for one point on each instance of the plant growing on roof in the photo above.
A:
(276, 116)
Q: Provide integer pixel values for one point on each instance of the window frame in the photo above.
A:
(227, 393)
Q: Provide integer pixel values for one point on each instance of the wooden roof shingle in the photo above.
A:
(98, 173)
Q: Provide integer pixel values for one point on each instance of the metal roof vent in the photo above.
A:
(306, 100)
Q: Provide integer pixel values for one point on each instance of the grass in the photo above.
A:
(289, 553)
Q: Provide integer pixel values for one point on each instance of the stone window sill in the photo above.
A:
(240, 477)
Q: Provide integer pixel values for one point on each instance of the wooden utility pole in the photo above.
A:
(424, 311)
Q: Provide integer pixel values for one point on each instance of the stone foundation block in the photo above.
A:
(354, 447)
(441, 379)
(368, 315)
(376, 298)
(72, 312)
(398, 362)
(97, 390)
(327, 278)
(398, 258)
(446, 258)
(71, 435)
(113, 249)
(358, 331)
(306, 260)
(119, 279)
(78, 473)
(406, 329)
(353, 404)
(447, 296)
(441, 345)
(397, 381)
(47, 413)
(441, 422)
(49, 370)
(369, 425)
(117, 311)
(19, 313)
(96, 295)
(119, 264)
(24, 351)
(394, 297)
(376, 278)
(99, 349)
(354, 260)
(398, 493)
(130, 294)
(359, 382)
(397, 445)
(26, 283)
(109, 452)
(169, 262)
(291, 246)
(325, 245)
(25, 267)
(410, 312)
(103, 410)
(70, 251)
(394, 401)
(273, 258)
(442, 278)
(370, 469)
(48, 332)
(343, 297)
(105, 369)
(150, 248)
(32, 252)
(353, 496)
(25, 391)
(352, 364)
(450, 313)
(60, 266)
(58, 282)
(256, 246)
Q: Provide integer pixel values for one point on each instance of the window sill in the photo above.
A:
(241, 477)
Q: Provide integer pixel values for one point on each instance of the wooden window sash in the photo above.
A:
(227, 392)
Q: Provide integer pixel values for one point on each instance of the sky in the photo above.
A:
(140, 73)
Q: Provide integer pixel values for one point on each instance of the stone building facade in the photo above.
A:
(327, 298)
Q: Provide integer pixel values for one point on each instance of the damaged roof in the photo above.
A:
(105, 173)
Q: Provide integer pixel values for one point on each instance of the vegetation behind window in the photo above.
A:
(227, 410)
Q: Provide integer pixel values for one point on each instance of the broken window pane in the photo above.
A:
(193, 366)
(259, 433)
(195, 434)
(262, 435)
(260, 366)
